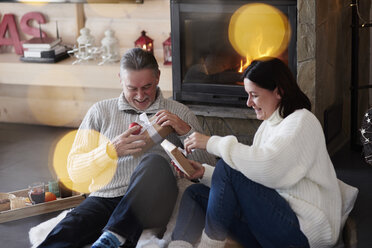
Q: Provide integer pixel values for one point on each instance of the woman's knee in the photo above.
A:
(222, 170)
(198, 193)
(193, 190)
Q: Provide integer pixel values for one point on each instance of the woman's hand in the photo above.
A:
(199, 170)
(196, 141)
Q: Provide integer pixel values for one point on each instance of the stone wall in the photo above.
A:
(324, 59)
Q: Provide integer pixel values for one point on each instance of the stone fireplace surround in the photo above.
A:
(323, 69)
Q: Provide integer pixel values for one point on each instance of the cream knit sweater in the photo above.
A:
(290, 155)
(89, 157)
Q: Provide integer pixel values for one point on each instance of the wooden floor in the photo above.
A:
(26, 153)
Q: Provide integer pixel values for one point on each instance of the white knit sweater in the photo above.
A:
(89, 158)
(290, 155)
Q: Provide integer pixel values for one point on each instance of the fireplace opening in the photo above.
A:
(206, 68)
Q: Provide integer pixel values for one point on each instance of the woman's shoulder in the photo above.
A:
(302, 114)
(304, 119)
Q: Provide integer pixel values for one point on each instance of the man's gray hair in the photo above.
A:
(138, 59)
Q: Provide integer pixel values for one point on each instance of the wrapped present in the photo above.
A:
(178, 157)
(153, 132)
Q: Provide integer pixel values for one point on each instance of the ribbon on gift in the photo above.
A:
(148, 125)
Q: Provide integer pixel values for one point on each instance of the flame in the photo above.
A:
(144, 46)
(242, 67)
(259, 41)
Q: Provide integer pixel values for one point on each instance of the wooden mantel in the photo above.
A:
(64, 74)
(59, 94)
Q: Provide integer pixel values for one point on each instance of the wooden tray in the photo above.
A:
(41, 208)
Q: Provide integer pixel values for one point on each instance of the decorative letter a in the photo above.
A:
(8, 23)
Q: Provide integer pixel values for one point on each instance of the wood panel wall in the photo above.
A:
(65, 104)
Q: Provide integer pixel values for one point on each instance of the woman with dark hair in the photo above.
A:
(281, 191)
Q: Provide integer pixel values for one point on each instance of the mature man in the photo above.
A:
(143, 190)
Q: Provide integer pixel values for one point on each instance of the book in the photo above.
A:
(178, 158)
(41, 43)
(54, 59)
(48, 53)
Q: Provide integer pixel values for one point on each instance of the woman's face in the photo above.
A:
(263, 101)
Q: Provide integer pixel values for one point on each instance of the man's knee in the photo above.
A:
(154, 170)
(156, 166)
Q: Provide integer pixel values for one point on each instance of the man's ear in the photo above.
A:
(120, 82)
(158, 77)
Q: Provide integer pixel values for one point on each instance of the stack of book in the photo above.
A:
(44, 50)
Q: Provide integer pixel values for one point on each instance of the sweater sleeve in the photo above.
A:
(208, 173)
(281, 160)
(90, 152)
(189, 117)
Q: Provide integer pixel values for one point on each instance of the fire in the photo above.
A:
(247, 62)
(144, 47)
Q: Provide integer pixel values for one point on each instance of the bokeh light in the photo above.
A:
(107, 10)
(96, 176)
(34, 2)
(257, 30)
(56, 106)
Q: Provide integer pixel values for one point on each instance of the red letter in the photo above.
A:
(8, 23)
(35, 32)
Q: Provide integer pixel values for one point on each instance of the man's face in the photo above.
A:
(139, 87)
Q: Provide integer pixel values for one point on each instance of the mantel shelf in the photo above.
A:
(86, 75)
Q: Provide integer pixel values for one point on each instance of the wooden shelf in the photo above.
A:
(87, 75)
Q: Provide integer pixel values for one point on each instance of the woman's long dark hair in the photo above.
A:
(271, 73)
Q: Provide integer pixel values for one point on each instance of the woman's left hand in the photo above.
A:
(196, 141)
(199, 170)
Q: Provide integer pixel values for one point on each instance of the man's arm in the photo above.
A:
(92, 152)
(184, 122)
(166, 118)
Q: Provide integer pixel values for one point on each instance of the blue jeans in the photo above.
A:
(148, 203)
(237, 207)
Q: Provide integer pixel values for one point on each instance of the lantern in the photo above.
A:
(145, 42)
(110, 47)
(85, 42)
(167, 49)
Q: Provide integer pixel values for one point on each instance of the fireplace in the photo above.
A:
(205, 65)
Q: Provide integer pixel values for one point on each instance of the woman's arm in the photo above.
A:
(281, 160)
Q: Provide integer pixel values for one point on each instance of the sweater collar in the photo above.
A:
(275, 118)
(157, 105)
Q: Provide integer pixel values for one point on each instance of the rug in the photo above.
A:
(148, 238)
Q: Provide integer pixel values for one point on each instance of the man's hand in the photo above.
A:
(199, 170)
(196, 141)
(166, 118)
(127, 143)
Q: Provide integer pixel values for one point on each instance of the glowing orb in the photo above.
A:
(91, 172)
(93, 8)
(33, 2)
(257, 30)
(52, 105)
